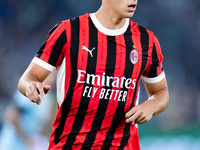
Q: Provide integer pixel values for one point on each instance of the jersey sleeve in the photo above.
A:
(154, 71)
(51, 53)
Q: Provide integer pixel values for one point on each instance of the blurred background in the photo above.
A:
(24, 25)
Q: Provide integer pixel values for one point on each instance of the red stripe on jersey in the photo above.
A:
(147, 69)
(133, 143)
(119, 134)
(68, 60)
(160, 56)
(113, 103)
(137, 67)
(120, 63)
(82, 64)
(135, 75)
(94, 101)
(154, 68)
(50, 43)
(67, 80)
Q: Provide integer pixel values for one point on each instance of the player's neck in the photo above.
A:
(110, 20)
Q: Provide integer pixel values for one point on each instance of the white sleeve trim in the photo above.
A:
(43, 64)
(154, 80)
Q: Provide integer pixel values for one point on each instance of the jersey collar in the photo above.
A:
(107, 31)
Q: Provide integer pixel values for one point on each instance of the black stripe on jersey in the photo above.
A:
(74, 57)
(126, 136)
(39, 53)
(57, 48)
(144, 40)
(91, 68)
(129, 47)
(54, 28)
(119, 114)
(103, 104)
(153, 67)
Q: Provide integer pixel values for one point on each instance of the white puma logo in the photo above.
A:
(90, 51)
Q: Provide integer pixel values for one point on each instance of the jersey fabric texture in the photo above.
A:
(99, 72)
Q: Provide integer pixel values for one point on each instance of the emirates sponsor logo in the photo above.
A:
(110, 87)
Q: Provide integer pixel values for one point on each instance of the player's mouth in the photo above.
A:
(132, 7)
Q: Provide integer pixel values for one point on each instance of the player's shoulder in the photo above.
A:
(143, 30)
(58, 27)
(72, 20)
(78, 18)
(64, 24)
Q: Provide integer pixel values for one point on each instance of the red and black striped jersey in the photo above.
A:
(99, 73)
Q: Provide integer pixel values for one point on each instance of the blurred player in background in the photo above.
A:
(101, 58)
(27, 126)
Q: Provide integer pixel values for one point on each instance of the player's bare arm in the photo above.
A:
(31, 83)
(157, 102)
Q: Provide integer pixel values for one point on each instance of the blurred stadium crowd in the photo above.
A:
(25, 23)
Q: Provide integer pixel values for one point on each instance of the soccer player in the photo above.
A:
(100, 59)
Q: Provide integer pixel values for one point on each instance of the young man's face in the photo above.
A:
(124, 8)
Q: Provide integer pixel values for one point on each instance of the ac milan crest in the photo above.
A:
(134, 56)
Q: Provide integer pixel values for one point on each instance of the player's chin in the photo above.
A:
(129, 15)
